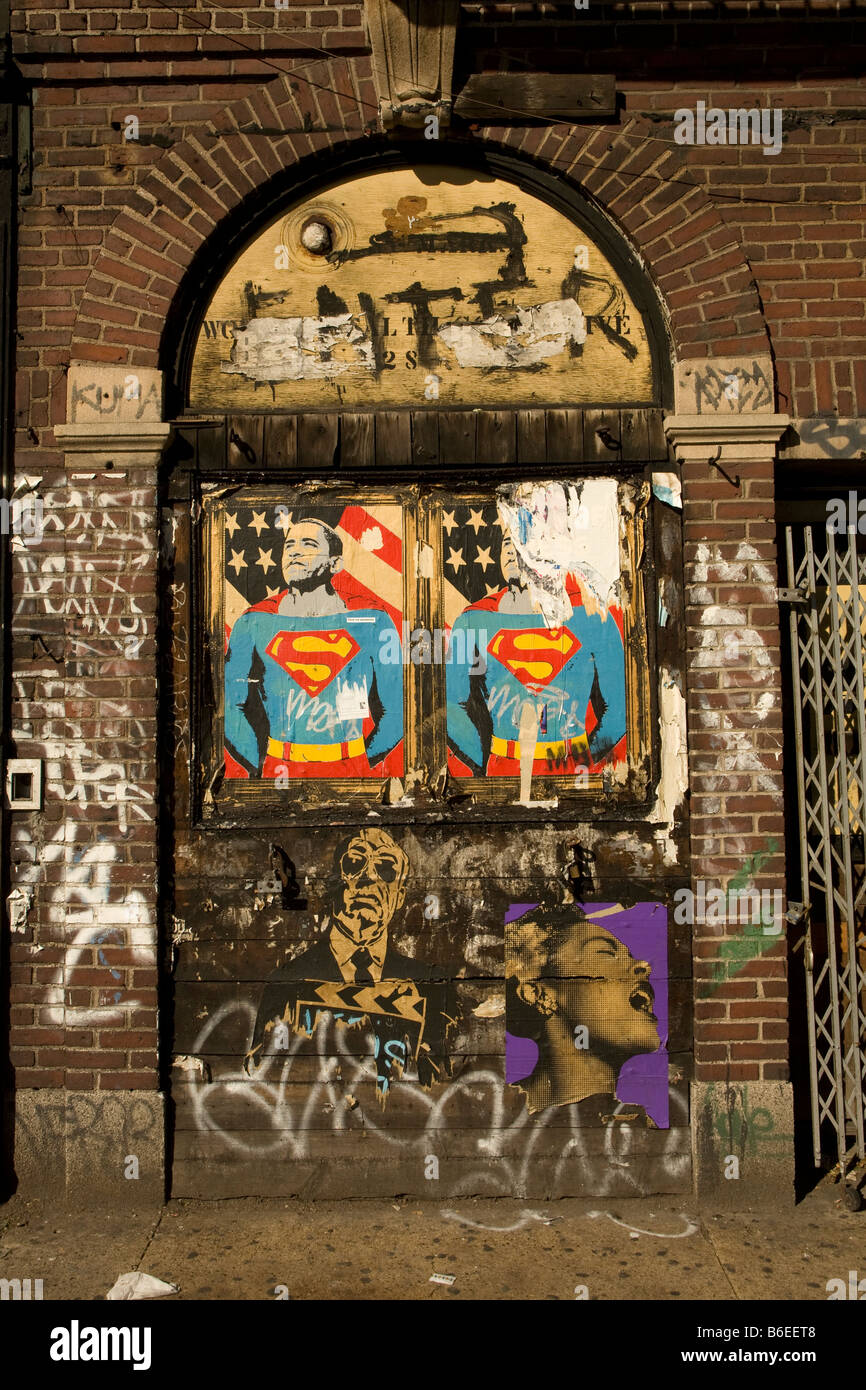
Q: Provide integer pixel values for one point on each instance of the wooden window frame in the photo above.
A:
(234, 464)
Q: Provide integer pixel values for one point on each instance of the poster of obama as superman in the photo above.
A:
(536, 663)
(310, 592)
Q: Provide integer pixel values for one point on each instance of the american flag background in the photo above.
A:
(471, 542)
(372, 573)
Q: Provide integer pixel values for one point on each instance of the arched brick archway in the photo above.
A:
(639, 182)
(181, 214)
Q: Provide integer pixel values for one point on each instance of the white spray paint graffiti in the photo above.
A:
(640, 1230)
(728, 642)
(90, 587)
(84, 904)
(526, 1218)
(511, 1146)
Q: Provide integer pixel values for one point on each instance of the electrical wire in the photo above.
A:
(551, 122)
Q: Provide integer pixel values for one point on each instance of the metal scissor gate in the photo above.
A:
(828, 653)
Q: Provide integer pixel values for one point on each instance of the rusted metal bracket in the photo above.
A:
(792, 595)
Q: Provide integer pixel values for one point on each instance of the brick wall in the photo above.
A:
(83, 973)
(751, 254)
(735, 763)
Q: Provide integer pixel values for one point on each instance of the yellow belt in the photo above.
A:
(316, 752)
(563, 748)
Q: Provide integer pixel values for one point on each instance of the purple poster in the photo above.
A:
(587, 1006)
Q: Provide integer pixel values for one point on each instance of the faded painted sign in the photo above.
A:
(420, 288)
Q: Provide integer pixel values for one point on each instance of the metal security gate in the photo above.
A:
(828, 653)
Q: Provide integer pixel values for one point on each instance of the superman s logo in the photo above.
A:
(534, 654)
(312, 659)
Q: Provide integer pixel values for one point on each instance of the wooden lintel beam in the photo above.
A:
(513, 97)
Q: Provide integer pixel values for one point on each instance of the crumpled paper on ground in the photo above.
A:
(136, 1285)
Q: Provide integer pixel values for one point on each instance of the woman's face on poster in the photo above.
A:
(599, 984)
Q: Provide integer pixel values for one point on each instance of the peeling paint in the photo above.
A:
(668, 488)
(524, 339)
(300, 349)
(674, 779)
(424, 555)
(561, 530)
(196, 1066)
(19, 903)
(493, 1007)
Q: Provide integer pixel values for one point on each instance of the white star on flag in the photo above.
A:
(487, 559)
(448, 522)
(455, 558)
(232, 524)
(258, 523)
(476, 520)
(266, 560)
(237, 562)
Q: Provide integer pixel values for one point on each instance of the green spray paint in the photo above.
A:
(752, 942)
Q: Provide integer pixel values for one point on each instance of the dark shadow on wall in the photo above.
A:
(14, 120)
(802, 501)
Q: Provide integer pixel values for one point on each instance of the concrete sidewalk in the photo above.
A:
(650, 1248)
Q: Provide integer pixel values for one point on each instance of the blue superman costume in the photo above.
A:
(574, 675)
(309, 696)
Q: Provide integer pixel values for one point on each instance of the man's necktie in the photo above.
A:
(362, 960)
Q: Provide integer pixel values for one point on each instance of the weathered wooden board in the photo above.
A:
(531, 436)
(466, 908)
(318, 439)
(425, 437)
(468, 1102)
(457, 436)
(565, 436)
(367, 439)
(495, 436)
(394, 438)
(245, 440)
(281, 441)
(203, 1171)
(503, 98)
(357, 439)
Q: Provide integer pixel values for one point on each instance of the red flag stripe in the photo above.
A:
(357, 595)
(356, 520)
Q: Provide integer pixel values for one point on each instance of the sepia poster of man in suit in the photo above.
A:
(358, 975)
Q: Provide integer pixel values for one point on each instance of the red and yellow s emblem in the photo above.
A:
(534, 654)
(312, 659)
